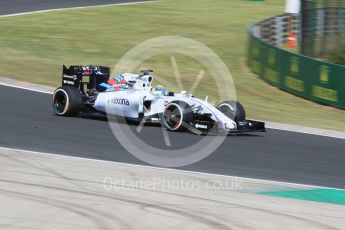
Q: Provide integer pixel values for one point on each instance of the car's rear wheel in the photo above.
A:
(67, 101)
(177, 116)
(233, 109)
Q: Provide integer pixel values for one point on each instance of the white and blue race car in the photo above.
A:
(133, 97)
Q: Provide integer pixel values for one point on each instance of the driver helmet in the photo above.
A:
(159, 90)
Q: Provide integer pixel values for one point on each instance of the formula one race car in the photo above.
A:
(132, 96)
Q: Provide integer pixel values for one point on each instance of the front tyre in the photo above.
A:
(177, 116)
(67, 101)
(233, 110)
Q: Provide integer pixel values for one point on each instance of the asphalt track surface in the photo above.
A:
(27, 122)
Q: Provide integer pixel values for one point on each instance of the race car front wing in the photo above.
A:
(249, 126)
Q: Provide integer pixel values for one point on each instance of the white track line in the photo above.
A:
(306, 130)
(170, 169)
(26, 88)
(74, 8)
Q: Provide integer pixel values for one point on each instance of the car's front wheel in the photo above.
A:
(177, 116)
(233, 110)
(67, 101)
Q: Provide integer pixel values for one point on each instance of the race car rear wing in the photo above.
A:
(73, 76)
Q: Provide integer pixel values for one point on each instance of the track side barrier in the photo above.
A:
(303, 76)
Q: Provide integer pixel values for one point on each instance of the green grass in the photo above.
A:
(33, 48)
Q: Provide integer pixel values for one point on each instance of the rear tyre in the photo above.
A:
(177, 116)
(67, 101)
(233, 110)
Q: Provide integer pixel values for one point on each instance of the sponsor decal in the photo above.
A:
(123, 86)
(294, 65)
(324, 93)
(324, 74)
(271, 75)
(68, 82)
(271, 57)
(291, 81)
(119, 83)
(74, 77)
(119, 101)
(294, 84)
